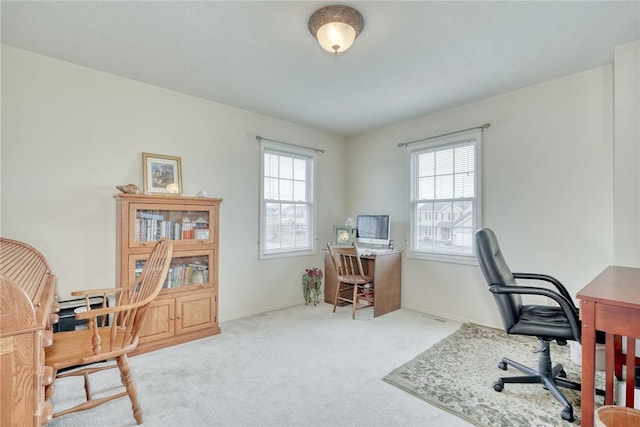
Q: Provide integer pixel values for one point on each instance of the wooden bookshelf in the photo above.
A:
(187, 306)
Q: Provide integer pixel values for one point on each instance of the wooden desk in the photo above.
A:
(385, 268)
(609, 303)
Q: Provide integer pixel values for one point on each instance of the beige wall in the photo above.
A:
(627, 154)
(547, 179)
(70, 134)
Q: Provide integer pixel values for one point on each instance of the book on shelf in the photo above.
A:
(201, 234)
(168, 283)
(152, 229)
(201, 229)
(149, 215)
(187, 229)
(187, 274)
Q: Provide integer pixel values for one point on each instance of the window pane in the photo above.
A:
(270, 188)
(465, 184)
(286, 190)
(444, 187)
(270, 164)
(286, 167)
(287, 201)
(444, 162)
(300, 169)
(444, 173)
(424, 226)
(426, 165)
(299, 191)
(462, 238)
(465, 158)
(426, 188)
(272, 214)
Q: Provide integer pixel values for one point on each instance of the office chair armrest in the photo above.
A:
(566, 305)
(555, 282)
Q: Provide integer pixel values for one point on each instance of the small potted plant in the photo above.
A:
(311, 284)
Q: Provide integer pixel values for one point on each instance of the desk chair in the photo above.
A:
(350, 278)
(558, 323)
(99, 342)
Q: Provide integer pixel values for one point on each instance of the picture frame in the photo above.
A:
(162, 174)
(343, 235)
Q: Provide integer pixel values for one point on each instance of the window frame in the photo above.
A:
(310, 156)
(476, 221)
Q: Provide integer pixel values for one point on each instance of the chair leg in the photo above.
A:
(567, 409)
(519, 366)
(130, 384)
(50, 388)
(545, 375)
(335, 298)
(354, 301)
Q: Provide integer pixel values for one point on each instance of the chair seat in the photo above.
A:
(536, 320)
(75, 348)
(355, 279)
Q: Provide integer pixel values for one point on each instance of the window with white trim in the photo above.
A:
(287, 200)
(445, 197)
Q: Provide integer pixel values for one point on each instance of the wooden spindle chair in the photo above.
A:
(352, 285)
(101, 342)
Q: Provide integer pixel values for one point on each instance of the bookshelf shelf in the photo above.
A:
(187, 306)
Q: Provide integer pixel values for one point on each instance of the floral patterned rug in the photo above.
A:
(457, 374)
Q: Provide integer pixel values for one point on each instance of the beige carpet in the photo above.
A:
(301, 366)
(457, 374)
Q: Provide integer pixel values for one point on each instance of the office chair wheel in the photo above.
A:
(498, 385)
(502, 365)
(562, 374)
(567, 414)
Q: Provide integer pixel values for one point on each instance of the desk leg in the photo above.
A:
(610, 367)
(587, 313)
(631, 361)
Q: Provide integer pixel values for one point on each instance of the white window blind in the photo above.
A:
(287, 215)
(444, 197)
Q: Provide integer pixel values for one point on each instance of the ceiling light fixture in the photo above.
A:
(336, 27)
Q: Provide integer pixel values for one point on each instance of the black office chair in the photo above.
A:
(548, 323)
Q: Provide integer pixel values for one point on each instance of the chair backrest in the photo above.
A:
(496, 272)
(346, 261)
(147, 287)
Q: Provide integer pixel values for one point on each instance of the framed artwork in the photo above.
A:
(343, 236)
(161, 174)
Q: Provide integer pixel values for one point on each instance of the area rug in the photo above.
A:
(457, 374)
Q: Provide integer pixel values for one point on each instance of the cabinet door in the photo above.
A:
(188, 269)
(159, 323)
(186, 225)
(195, 312)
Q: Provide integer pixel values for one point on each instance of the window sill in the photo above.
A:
(287, 254)
(453, 259)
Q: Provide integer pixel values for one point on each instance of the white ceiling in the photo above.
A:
(412, 58)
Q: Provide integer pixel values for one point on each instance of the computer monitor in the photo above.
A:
(373, 229)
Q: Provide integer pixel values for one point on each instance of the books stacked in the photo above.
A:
(367, 291)
(186, 274)
(151, 226)
(180, 274)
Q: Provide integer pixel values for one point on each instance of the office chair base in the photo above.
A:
(550, 378)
